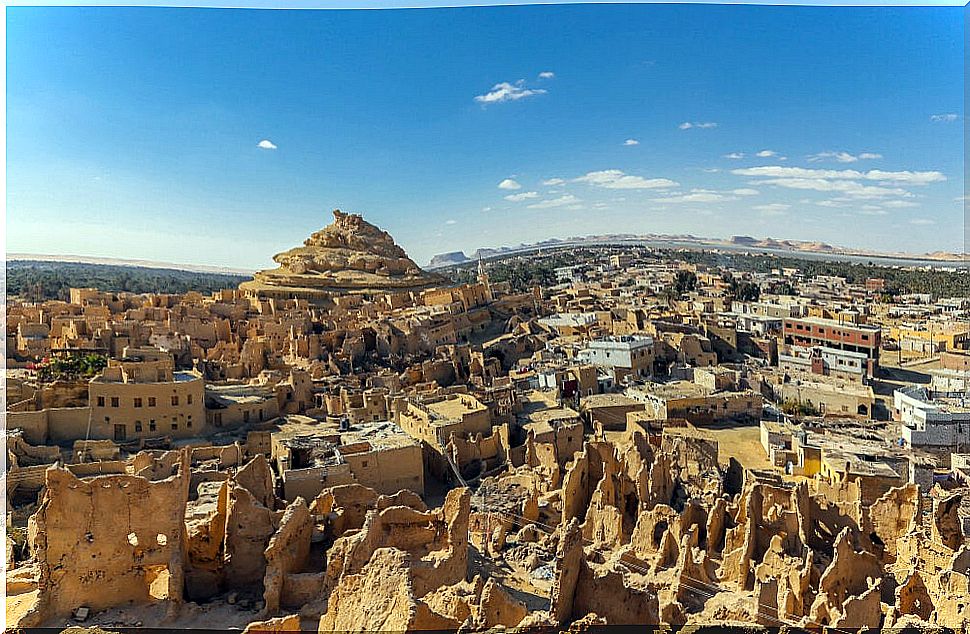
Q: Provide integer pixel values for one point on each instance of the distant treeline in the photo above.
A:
(522, 272)
(938, 282)
(35, 280)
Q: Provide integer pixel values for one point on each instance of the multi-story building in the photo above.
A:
(146, 399)
(826, 361)
(929, 422)
(624, 356)
(838, 335)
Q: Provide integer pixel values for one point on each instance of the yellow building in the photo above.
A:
(929, 339)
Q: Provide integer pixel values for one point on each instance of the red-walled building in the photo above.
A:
(835, 334)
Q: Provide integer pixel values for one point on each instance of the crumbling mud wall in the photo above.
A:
(437, 540)
(286, 556)
(108, 540)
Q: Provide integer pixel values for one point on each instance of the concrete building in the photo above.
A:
(831, 333)
(624, 356)
(822, 360)
(928, 422)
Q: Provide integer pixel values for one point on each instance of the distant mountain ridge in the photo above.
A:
(804, 246)
(446, 259)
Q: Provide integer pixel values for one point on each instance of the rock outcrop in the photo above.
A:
(350, 256)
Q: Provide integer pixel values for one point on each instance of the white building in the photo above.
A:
(926, 422)
(627, 355)
(825, 361)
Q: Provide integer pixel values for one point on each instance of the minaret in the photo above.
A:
(483, 278)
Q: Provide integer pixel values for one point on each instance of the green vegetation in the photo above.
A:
(899, 280)
(793, 408)
(743, 290)
(522, 272)
(72, 365)
(38, 281)
(684, 282)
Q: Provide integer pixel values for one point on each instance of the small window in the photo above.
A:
(100, 401)
(151, 401)
(188, 422)
(363, 464)
(115, 401)
(151, 425)
(189, 399)
(175, 399)
(138, 401)
(137, 425)
(175, 426)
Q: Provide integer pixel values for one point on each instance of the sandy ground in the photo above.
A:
(217, 615)
(19, 604)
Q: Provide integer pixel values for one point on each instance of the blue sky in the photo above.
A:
(136, 132)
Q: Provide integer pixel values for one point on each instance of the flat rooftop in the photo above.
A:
(380, 435)
(455, 407)
(673, 390)
(835, 323)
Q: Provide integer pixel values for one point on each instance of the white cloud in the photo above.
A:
(616, 179)
(778, 171)
(944, 118)
(547, 74)
(266, 144)
(696, 196)
(508, 183)
(687, 125)
(486, 209)
(849, 188)
(745, 191)
(772, 209)
(451, 222)
(911, 178)
(734, 155)
(631, 142)
(766, 154)
(553, 182)
(922, 221)
(899, 204)
(504, 91)
(873, 211)
(562, 201)
(844, 157)
(517, 198)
